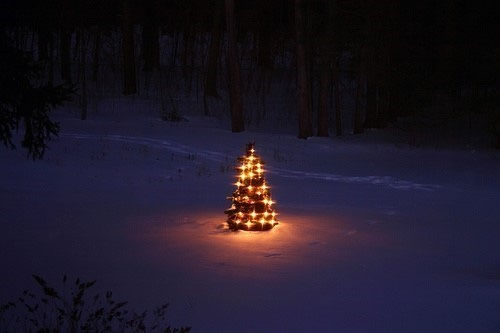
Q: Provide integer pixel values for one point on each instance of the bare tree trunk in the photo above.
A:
(43, 44)
(83, 81)
(213, 55)
(65, 52)
(97, 55)
(150, 48)
(129, 77)
(324, 83)
(303, 82)
(237, 119)
(51, 59)
(371, 103)
(383, 106)
(357, 124)
(150, 45)
(338, 104)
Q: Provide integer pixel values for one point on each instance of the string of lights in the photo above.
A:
(251, 208)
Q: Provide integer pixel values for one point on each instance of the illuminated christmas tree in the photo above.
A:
(251, 203)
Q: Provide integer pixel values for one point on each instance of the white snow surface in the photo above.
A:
(372, 237)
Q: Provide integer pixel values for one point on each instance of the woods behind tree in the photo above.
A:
(352, 64)
(24, 103)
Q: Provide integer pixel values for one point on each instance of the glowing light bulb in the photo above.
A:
(258, 165)
(238, 221)
(259, 193)
(254, 214)
(273, 214)
(243, 167)
(243, 177)
(251, 158)
(250, 188)
(252, 150)
(271, 202)
(266, 214)
(238, 184)
(251, 174)
(262, 221)
(263, 186)
(265, 201)
(240, 214)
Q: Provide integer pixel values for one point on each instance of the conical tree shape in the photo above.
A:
(251, 203)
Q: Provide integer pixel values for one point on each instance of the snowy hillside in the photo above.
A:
(372, 237)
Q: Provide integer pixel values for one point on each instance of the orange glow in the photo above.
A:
(202, 243)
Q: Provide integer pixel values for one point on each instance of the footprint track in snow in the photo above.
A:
(388, 181)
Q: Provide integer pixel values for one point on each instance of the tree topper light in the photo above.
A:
(251, 208)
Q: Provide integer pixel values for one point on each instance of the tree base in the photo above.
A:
(256, 226)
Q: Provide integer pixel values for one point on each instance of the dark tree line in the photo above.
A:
(402, 58)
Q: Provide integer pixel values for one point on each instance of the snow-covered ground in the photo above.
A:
(373, 237)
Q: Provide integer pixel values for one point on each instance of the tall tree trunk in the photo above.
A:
(150, 45)
(51, 60)
(357, 124)
(43, 44)
(383, 106)
(338, 104)
(237, 119)
(371, 103)
(129, 78)
(303, 82)
(213, 54)
(65, 52)
(97, 55)
(358, 108)
(324, 85)
(83, 80)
